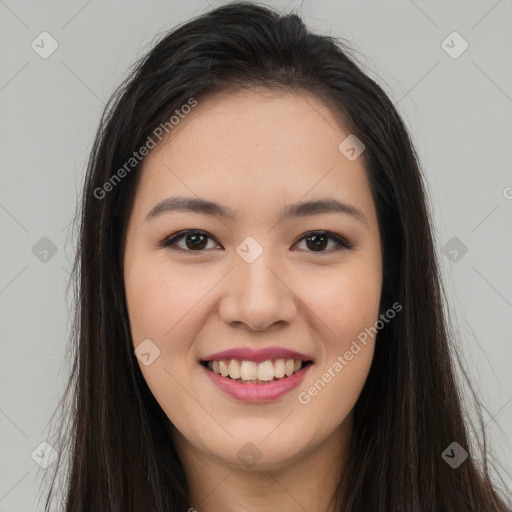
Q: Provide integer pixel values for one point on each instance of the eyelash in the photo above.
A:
(171, 241)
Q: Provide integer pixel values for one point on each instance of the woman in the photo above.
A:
(260, 316)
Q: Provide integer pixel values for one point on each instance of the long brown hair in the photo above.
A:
(113, 434)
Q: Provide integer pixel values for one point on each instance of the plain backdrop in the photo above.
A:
(456, 102)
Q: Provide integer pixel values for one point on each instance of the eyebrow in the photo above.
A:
(205, 207)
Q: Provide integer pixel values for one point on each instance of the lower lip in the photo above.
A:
(258, 392)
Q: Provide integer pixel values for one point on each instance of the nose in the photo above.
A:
(256, 295)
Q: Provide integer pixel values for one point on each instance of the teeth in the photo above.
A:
(250, 371)
(223, 368)
(288, 367)
(279, 368)
(235, 370)
(265, 370)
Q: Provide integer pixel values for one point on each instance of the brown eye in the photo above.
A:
(195, 241)
(318, 241)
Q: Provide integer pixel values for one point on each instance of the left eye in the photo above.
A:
(196, 241)
(319, 239)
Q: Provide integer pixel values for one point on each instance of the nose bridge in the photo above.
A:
(260, 277)
(257, 294)
(258, 269)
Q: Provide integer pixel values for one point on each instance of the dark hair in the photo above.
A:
(121, 456)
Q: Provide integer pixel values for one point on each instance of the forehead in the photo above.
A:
(255, 147)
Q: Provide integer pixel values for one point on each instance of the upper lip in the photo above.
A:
(257, 354)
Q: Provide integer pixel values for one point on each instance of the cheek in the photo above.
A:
(348, 302)
(161, 300)
(163, 305)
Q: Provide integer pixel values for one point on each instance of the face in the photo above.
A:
(257, 281)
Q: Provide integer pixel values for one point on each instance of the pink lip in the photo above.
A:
(257, 392)
(258, 355)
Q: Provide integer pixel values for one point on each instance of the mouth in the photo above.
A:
(253, 372)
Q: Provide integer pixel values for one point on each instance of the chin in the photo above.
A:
(259, 452)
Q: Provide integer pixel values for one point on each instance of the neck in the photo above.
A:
(307, 483)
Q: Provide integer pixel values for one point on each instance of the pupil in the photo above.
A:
(316, 245)
(201, 244)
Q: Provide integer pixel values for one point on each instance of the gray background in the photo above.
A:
(458, 111)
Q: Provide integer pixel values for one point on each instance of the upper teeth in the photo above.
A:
(250, 370)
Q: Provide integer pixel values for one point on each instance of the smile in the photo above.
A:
(255, 372)
(251, 381)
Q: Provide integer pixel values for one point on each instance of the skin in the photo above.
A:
(254, 152)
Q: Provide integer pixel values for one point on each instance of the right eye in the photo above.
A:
(195, 241)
